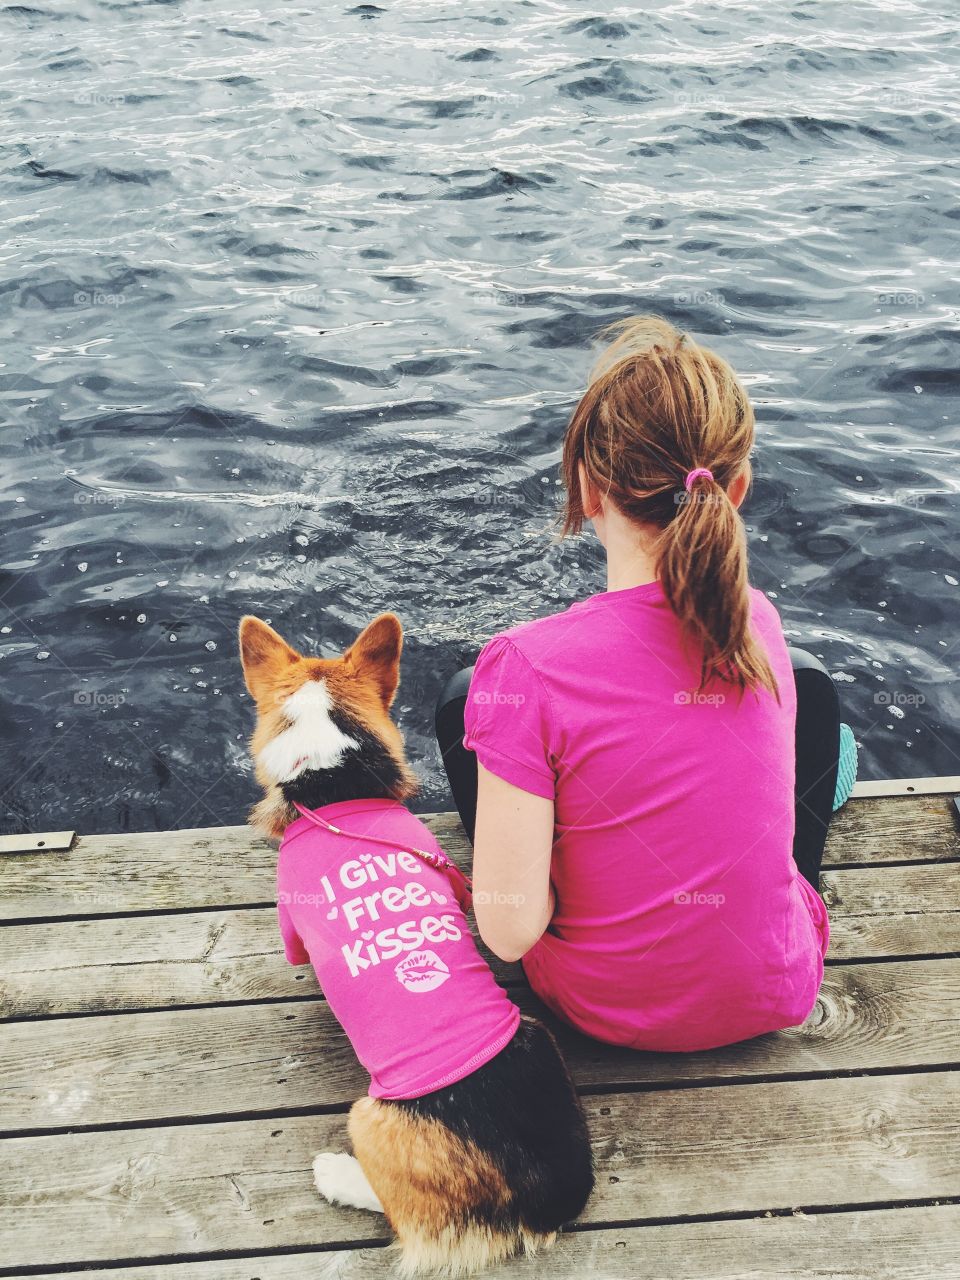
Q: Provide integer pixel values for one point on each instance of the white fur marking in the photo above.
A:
(340, 1180)
(312, 740)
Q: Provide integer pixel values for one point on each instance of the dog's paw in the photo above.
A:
(339, 1179)
(329, 1171)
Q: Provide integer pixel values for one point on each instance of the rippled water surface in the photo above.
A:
(297, 300)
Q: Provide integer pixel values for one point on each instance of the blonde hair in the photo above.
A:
(657, 407)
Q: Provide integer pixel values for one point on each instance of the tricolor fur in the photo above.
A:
(496, 1164)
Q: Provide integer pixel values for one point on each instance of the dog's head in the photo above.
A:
(324, 731)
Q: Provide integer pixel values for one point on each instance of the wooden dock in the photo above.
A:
(166, 1078)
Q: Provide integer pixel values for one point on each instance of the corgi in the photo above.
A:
(472, 1140)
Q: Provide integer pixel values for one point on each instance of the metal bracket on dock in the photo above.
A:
(907, 787)
(42, 842)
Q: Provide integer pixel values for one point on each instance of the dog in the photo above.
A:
(472, 1140)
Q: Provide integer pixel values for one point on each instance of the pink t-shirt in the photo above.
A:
(681, 920)
(391, 948)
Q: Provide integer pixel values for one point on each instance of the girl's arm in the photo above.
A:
(512, 896)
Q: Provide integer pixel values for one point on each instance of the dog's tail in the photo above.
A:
(459, 1252)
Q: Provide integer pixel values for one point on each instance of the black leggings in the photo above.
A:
(817, 739)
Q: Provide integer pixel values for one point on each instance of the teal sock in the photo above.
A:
(847, 769)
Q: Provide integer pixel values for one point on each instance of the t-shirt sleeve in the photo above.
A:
(293, 947)
(508, 720)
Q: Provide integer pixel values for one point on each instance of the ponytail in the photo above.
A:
(659, 409)
(702, 567)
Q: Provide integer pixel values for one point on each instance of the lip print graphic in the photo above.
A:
(422, 971)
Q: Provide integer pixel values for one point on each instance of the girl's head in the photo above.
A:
(658, 407)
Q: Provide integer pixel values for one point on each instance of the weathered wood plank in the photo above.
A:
(878, 1244)
(144, 962)
(194, 1189)
(104, 965)
(893, 911)
(159, 871)
(151, 871)
(894, 829)
(235, 1060)
(230, 866)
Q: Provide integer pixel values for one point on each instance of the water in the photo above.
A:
(297, 302)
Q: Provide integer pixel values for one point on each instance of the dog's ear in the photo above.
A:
(264, 655)
(375, 654)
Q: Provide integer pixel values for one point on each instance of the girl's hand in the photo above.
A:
(513, 899)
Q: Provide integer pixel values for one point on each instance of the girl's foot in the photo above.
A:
(847, 768)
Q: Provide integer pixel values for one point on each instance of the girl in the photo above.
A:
(648, 776)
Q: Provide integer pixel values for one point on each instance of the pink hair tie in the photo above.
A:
(698, 473)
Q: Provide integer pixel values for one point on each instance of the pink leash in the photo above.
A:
(460, 884)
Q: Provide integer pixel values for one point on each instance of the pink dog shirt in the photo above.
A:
(391, 947)
(681, 920)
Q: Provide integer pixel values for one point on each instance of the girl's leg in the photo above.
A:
(817, 752)
(818, 755)
(460, 764)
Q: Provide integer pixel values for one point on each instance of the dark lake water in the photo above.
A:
(297, 299)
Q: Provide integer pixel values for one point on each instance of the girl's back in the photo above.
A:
(681, 921)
